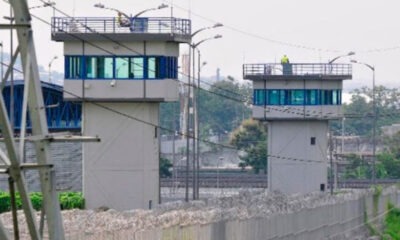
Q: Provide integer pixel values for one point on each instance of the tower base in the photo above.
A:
(297, 161)
(122, 171)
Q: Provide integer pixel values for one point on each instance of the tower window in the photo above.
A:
(313, 140)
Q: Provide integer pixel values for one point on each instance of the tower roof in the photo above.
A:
(297, 71)
(111, 29)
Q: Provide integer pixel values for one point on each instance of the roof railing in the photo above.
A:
(297, 69)
(155, 25)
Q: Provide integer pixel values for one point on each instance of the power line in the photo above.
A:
(173, 130)
(299, 112)
(133, 118)
(289, 44)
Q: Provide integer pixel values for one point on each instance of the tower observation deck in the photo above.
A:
(303, 90)
(297, 100)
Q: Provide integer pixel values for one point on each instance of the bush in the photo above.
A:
(68, 200)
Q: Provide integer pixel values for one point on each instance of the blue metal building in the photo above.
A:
(61, 115)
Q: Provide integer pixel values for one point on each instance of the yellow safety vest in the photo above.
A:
(284, 60)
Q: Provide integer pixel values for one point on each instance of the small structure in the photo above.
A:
(297, 103)
(121, 74)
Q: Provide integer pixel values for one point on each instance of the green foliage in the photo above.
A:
(357, 169)
(68, 200)
(71, 200)
(5, 202)
(386, 167)
(251, 138)
(387, 103)
(170, 117)
(223, 106)
(165, 167)
(36, 199)
(392, 223)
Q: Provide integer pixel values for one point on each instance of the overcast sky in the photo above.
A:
(261, 31)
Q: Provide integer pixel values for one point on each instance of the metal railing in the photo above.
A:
(297, 69)
(165, 25)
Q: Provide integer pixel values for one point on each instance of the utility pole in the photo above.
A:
(188, 133)
(331, 161)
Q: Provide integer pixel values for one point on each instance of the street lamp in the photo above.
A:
(340, 56)
(334, 173)
(50, 63)
(45, 4)
(151, 9)
(205, 28)
(196, 142)
(100, 5)
(188, 114)
(374, 119)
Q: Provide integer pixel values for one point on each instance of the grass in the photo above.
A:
(392, 223)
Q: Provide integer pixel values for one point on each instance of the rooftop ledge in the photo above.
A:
(277, 71)
(104, 28)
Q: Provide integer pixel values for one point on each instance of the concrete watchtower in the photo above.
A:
(121, 71)
(297, 100)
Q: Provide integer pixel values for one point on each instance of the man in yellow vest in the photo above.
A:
(286, 67)
(284, 59)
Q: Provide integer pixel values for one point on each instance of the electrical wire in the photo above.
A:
(130, 49)
(170, 129)
(284, 43)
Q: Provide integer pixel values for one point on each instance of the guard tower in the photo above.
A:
(121, 72)
(297, 101)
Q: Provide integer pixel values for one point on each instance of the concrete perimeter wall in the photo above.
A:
(343, 220)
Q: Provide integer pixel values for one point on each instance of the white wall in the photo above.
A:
(336, 219)
(294, 165)
(121, 172)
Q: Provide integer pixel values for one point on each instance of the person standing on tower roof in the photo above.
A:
(286, 66)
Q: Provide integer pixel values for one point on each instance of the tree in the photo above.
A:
(224, 106)
(390, 158)
(251, 138)
(359, 113)
(169, 117)
(221, 107)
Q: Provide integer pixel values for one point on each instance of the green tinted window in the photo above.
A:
(121, 67)
(273, 97)
(259, 97)
(136, 70)
(296, 97)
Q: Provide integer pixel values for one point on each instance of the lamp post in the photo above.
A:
(218, 160)
(50, 63)
(196, 142)
(45, 4)
(372, 68)
(150, 9)
(205, 28)
(188, 109)
(100, 5)
(340, 56)
(334, 168)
